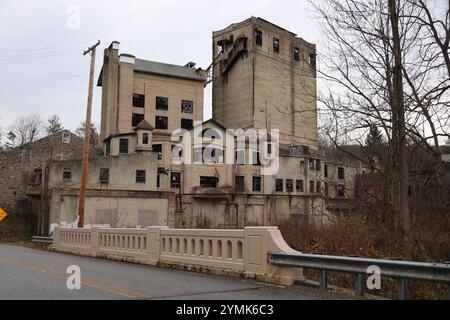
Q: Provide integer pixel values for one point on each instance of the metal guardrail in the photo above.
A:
(401, 270)
(47, 240)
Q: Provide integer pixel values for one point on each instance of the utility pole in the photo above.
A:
(87, 138)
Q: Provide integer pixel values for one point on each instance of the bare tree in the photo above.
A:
(95, 136)
(28, 128)
(383, 67)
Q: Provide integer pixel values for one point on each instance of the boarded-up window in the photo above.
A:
(106, 217)
(148, 218)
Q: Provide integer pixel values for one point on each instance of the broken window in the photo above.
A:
(276, 45)
(341, 173)
(162, 103)
(290, 185)
(257, 184)
(187, 124)
(326, 171)
(123, 146)
(140, 176)
(136, 119)
(158, 148)
(296, 54)
(299, 186)
(318, 187)
(175, 180)
(209, 182)
(239, 183)
(138, 100)
(258, 37)
(67, 174)
(279, 185)
(104, 175)
(340, 191)
(145, 138)
(161, 123)
(187, 106)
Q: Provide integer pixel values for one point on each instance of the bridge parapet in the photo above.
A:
(231, 252)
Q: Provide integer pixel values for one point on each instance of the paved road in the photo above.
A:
(29, 274)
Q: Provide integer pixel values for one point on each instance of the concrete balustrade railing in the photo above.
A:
(231, 252)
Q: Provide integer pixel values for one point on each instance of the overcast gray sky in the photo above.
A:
(42, 68)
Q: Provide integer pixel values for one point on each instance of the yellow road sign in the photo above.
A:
(3, 214)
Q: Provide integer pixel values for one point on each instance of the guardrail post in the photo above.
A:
(401, 290)
(359, 286)
(323, 280)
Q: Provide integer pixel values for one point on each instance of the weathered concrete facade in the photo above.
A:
(267, 75)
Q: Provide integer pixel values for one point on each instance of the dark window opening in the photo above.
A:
(340, 191)
(312, 60)
(158, 148)
(209, 182)
(108, 147)
(187, 124)
(276, 45)
(318, 165)
(279, 185)
(289, 185)
(136, 119)
(296, 54)
(318, 187)
(175, 180)
(312, 186)
(161, 123)
(341, 173)
(239, 183)
(104, 175)
(312, 164)
(140, 176)
(67, 174)
(138, 100)
(299, 186)
(187, 106)
(123, 146)
(326, 171)
(257, 184)
(145, 138)
(162, 103)
(259, 37)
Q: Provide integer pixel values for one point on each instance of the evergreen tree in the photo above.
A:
(54, 125)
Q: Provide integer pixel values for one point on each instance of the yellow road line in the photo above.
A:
(84, 281)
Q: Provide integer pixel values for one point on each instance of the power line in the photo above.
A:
(46, 78)
(46, 48)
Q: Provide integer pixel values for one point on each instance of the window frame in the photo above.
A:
(134, 120)
(141, 176)
(121, 146)
(164, 106)
(239, 187)
(276, 45)
(138, 100)
(183, 110)
(69, 172)
(258, 37)
(158, 120)
(172, 184)
(104, 175)
(279, 185)
(254, 184)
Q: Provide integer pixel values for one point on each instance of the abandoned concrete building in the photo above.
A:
(263, 77)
